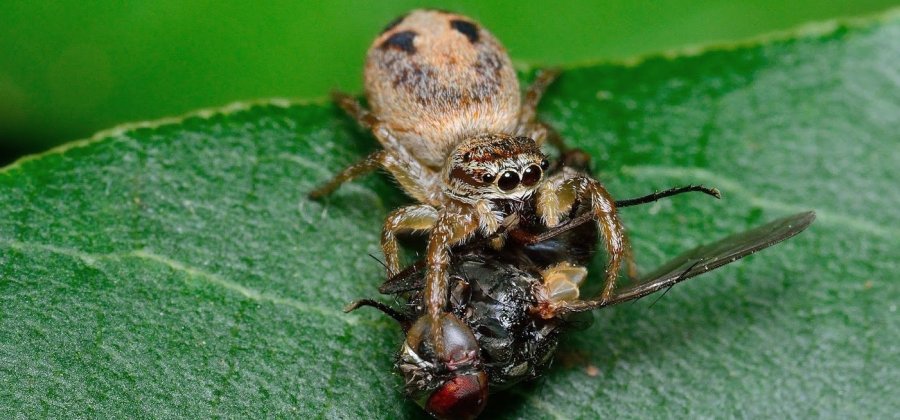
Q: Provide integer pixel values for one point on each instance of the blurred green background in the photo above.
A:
(69, 68)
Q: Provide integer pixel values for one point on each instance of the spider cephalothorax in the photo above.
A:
(494, 167)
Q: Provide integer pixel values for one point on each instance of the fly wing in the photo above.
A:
(711, 256)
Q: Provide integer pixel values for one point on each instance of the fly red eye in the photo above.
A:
(462, 397)
(509, 180)
(531, 175)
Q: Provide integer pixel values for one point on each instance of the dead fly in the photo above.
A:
(507, 311)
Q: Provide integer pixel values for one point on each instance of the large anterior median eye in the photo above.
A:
(531, 175)
(509, 180)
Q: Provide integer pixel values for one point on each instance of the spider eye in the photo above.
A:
(545, 164)
(531, 176)
(508, 181)
(488, 178)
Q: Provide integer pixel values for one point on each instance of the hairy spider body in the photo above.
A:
(459, 138)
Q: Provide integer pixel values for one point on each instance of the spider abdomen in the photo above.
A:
(436, 78)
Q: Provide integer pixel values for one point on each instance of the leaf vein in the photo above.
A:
(92, 260)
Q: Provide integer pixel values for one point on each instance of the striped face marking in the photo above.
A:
(495, 166)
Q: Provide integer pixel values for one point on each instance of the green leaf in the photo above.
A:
(176, 269)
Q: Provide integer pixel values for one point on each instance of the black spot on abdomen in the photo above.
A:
(466, 28)
(402, 41)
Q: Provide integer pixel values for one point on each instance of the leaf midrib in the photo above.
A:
(91, 260)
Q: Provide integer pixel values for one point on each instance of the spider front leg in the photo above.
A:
(405, 219)
(562, 191)
(454, 226)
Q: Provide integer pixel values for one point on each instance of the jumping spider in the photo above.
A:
(459, 138)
